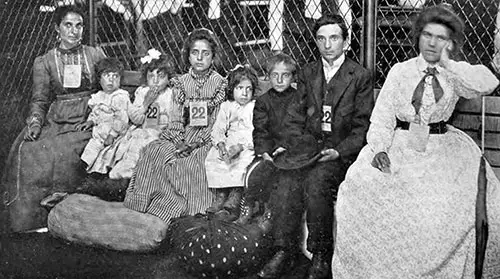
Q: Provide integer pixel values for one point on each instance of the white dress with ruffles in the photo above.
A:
(148, 123)
(232, 126)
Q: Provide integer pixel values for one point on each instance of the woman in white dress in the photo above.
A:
(407, 206)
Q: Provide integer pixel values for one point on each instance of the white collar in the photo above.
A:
(336, 63)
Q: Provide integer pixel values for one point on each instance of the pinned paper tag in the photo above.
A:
(72, 76)
(198, 113)
(153, 111)
(163, 117)
(326, 121)
(418, 137)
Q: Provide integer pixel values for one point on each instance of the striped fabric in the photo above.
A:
(167, 186)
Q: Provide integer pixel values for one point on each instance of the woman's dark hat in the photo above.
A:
(303, 151)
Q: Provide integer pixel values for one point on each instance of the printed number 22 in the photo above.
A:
(327, 117)
(198, 112)
(152, 112)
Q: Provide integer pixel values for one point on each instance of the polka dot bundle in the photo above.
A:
(211, 248)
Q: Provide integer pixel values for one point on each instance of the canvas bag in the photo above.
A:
(89, 220)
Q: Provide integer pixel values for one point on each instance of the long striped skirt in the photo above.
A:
(166, 186)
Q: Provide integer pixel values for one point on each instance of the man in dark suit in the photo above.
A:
(334, 101)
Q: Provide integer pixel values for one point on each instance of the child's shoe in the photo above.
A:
(50, 201)
(234, 199)
(265, 221)
(245, 215)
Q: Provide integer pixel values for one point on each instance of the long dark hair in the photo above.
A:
(198, 35)
(62, 11)
(240, 73)
(163, 64)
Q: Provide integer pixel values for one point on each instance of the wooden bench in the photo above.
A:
(132, 79)
(467, 117)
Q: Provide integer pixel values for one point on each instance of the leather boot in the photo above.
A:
(275, 267)
(234, 199)
(218, 203)
(321, 266)
(232, 204)
(246, 213)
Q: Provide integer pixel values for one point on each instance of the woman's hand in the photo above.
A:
(151, 96)
(266, 156)
(328, 155)
(182, 150)
(85, 126)
(109, 140)
(381, 161)
(185, 149)
(444, 61)
(235, 150)
(33, 133)
(278, 151)
(223, 151)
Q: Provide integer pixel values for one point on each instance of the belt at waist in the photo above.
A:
(435, 128)
(72, 96)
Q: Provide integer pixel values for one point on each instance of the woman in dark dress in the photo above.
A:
(45, 157)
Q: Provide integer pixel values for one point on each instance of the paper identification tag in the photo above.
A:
(72, 76)
(198, 113)
(418, 137)
(163, 117)
(153, 111)
(326, 121)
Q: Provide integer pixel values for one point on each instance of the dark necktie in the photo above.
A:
(419, 91)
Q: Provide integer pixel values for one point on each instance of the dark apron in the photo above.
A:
(35, 169)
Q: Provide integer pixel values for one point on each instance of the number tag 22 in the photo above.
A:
(198, 114)
(326, 121)
(153, 110)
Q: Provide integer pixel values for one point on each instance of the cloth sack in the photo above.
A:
(211, 248)
(89, 220)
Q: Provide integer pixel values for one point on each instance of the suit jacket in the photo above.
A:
(350, 95)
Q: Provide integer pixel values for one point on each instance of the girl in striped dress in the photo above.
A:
(170, 178)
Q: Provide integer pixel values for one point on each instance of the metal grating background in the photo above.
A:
(248, 31)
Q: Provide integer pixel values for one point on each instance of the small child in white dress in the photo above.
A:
(109, 116)
(232, 149)
(151, 111)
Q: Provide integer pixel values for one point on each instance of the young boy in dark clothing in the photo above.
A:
(269, 134)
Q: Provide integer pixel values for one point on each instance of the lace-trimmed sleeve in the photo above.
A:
(470, 81)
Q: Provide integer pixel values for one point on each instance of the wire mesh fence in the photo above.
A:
(249, 31)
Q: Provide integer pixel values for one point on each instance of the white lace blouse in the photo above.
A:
(459, 79)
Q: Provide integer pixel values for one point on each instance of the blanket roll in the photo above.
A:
(89, 220)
